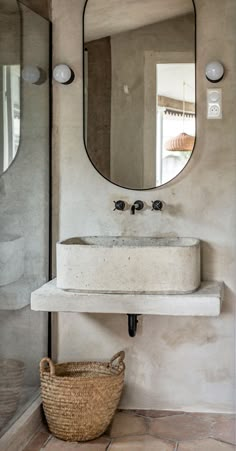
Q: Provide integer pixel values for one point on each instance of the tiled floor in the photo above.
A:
(153, 431)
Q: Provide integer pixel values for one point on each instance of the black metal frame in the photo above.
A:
(50, 183)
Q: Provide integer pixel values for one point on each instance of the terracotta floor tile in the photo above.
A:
(39, 440)
(143, 443)
(205, 445)
(181, 427)
(224, 429)
(152, 413)
(100, 444)
(127, 424)
(129, 432)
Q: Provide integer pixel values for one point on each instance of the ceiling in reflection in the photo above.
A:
(106, 18)
(8, 6)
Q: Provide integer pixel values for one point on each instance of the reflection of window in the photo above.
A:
(11, 113)
(170, 163)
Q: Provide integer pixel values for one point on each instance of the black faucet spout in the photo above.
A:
(138, 205)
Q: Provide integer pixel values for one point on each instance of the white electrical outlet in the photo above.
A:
(214, 103)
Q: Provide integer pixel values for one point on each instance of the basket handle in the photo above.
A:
(50, 363)
(120, 356)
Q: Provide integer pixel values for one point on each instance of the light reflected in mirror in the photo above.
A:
(10, 56)
(175, 119)
(139, 89)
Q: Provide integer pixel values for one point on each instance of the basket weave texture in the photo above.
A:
(80, 399)
(11, 384)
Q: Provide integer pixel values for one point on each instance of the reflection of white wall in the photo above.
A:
(133, 115)
(171, 166)
(171, 79)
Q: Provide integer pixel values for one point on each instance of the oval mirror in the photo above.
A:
(139, 89)
(10, 69)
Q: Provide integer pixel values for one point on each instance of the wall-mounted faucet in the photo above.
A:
(121, 205)
(138, 205)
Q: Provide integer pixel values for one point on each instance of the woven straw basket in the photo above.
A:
(80, 399)
(11, 383)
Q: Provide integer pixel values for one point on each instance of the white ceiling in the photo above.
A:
(171, 79)
(109, 17)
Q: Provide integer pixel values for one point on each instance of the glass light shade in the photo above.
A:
(31, 74)
(214, 71)
(62, 73)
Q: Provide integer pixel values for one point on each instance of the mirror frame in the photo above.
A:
(84, 109)
(21, 85)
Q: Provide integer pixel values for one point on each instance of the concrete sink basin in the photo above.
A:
(11, 258)
(125, 265)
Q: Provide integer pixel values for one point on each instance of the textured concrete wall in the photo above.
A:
(173, 363)
(99, 103)
(10, 36)
(24, 192)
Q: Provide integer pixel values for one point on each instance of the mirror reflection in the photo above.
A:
(10, 33)
(139, 89)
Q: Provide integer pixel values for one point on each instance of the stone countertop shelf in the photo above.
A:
(16, 295)
(206, 301)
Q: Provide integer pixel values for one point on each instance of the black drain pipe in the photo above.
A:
(132, 324)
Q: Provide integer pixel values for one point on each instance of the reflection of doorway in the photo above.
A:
(154, 125)
(175, 115)
(10, 76)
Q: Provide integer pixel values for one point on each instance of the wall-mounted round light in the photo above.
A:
(215, 71)
(63, 74)
(31, 74)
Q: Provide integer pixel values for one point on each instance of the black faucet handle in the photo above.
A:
(157, 205)
(119, 205)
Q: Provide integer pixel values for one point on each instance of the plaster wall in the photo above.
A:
(41, 7)
(108, 18)
(173, 363)
(24, 196)
(10, 36)
(133, 114)
(99, 103)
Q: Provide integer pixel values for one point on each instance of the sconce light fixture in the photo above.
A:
(63, 74)
(215, 71)
(31, 74)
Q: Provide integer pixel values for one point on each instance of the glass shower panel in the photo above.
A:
(24, 208)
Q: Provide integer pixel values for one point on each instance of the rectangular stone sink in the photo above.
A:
(124, 265)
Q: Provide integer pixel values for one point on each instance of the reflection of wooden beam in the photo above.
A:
(168, 102)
